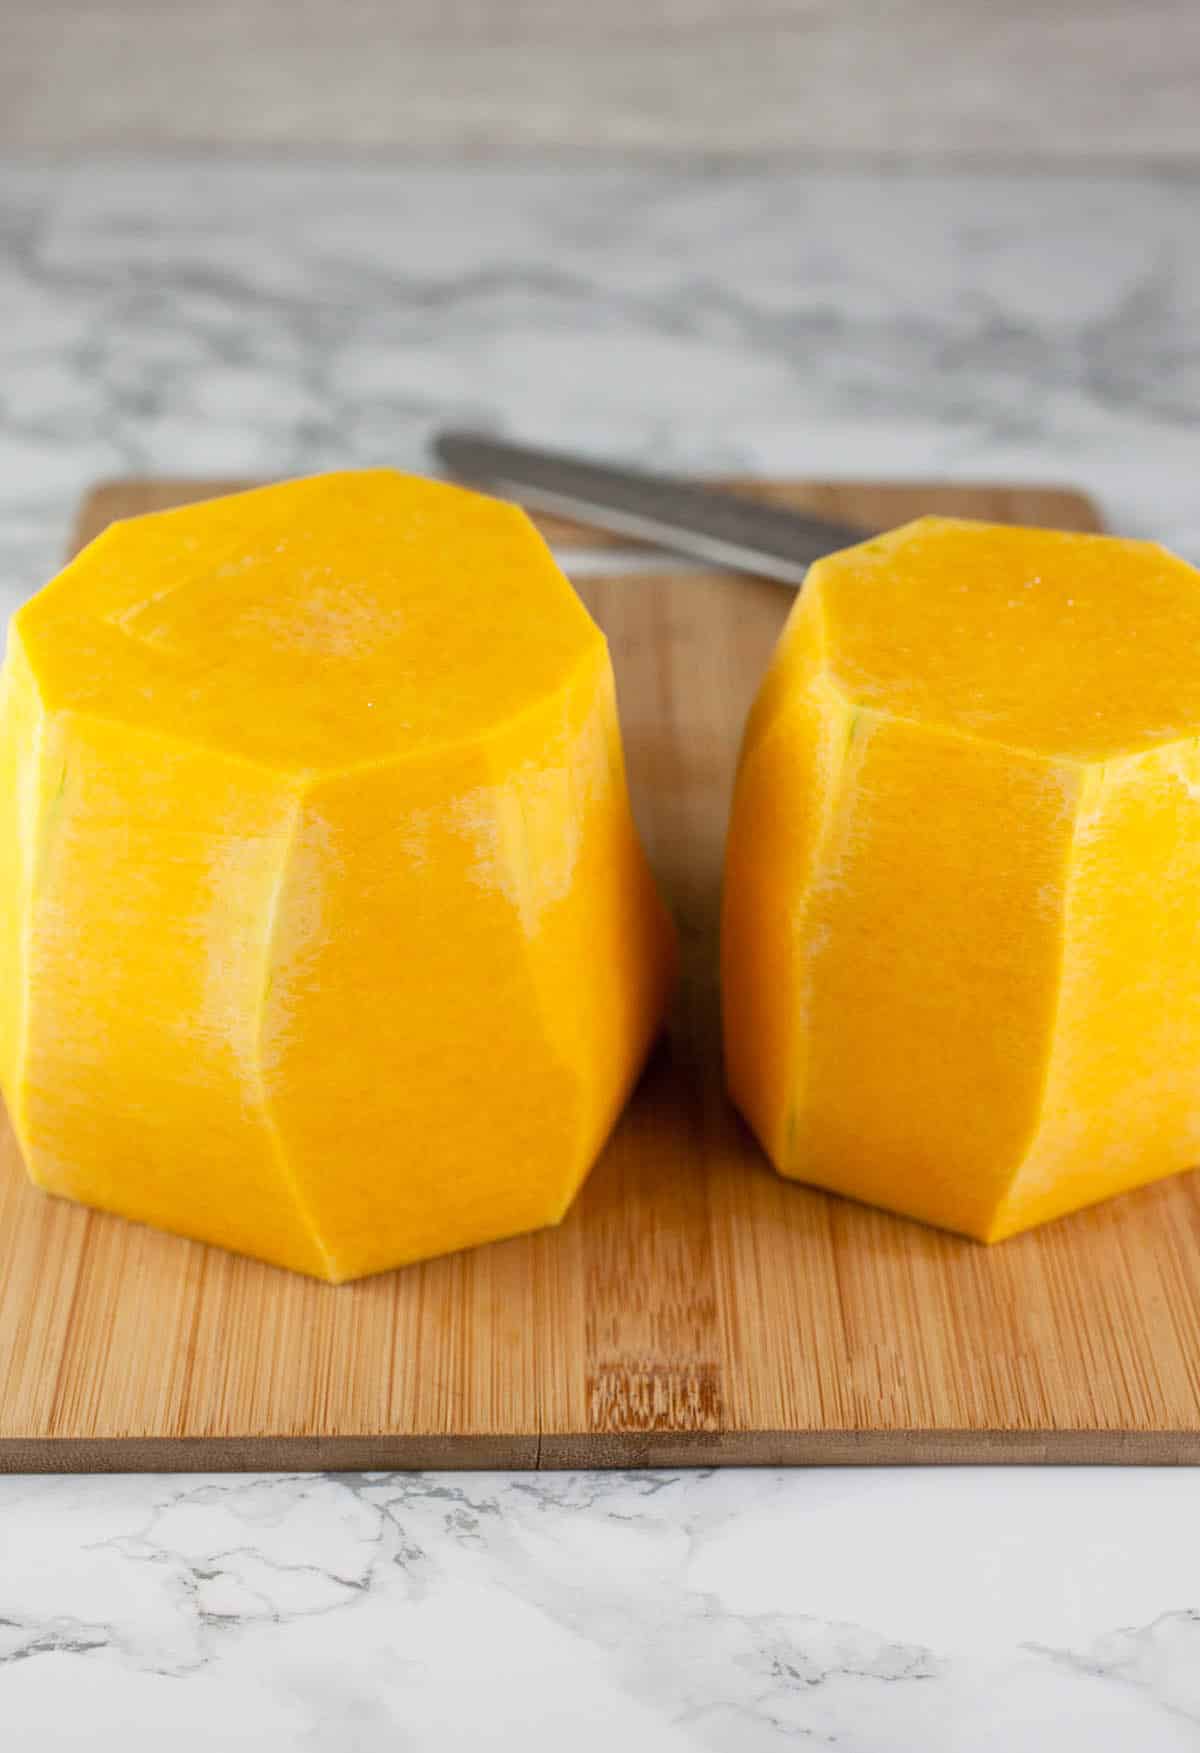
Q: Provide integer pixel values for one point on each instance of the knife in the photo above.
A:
(709, 522)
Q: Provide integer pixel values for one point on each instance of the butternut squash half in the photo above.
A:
(961, 934)
(325, 932)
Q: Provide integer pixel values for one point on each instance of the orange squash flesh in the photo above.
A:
(325, 931)
(961, 925)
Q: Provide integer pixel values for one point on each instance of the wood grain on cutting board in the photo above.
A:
(692, 1308)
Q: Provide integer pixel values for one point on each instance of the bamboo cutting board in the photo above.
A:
(692, 1308)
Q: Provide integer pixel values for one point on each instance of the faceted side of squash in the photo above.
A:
(469, 963)
(933, 946)
(23, 785)
(960, 974)
(855, 972)
(327, 933)
(1121, 1103)
(135, 1085)
(794, 746)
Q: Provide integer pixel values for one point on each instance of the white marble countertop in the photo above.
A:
(231, 318)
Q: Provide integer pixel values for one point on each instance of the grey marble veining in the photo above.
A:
(256, 318)
(229, 318)
(714, 1613)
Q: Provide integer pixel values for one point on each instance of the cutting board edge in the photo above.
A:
(599, 1451)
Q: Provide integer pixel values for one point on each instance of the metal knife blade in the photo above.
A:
(684, 516)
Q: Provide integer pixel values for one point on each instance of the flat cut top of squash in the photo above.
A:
(314, 625)
(1073, 646)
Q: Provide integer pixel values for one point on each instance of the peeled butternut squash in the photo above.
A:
(961, 932)
(325, 933)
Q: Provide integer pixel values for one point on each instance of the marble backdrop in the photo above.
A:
(943, 1611)
(230, 317)
(265, 318)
